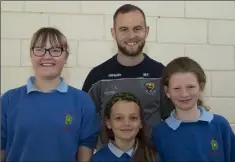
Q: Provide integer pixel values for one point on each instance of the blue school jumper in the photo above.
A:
(210, 138)
(111, 153)
(37, 126)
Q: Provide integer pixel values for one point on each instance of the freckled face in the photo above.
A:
(184, 90)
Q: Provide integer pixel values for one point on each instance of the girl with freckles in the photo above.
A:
(126, 132)
(191, 133)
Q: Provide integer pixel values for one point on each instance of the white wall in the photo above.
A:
(204, 31)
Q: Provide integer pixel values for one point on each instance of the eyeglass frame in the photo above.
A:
(48, 49)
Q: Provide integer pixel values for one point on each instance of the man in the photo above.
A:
(130, 70)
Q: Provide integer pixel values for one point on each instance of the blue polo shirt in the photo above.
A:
(209, 138)
(38, 126)
(62, 88)
(111, 153)
(174, 123)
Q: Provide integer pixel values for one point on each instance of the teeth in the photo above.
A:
(47, 64)
(131, 43)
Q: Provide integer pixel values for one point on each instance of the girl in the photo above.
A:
(46, 119)
(191, 133)
(126, 131)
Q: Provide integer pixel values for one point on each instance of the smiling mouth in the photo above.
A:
(185, 101)
(126, 130)
(47, 64)
(131, 43)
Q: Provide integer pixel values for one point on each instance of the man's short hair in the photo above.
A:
(127, 8)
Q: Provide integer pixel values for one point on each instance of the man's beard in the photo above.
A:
(128, 53)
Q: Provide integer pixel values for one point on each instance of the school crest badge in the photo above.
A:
(150, 87)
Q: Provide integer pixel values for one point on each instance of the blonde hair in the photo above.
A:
(186, 64)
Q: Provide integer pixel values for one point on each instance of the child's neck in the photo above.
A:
(187, 115)
(46, 85)
(124, 145)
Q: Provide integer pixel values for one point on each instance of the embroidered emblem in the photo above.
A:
(68, 119)
(150, 87)
(214, 145)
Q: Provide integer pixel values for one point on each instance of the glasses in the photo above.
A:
(54, 52)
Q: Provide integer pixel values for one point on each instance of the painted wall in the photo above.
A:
(204, 31)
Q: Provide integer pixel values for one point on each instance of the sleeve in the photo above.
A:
(166, 105)
(89, 81)
(4, 107)
(228, 141)
(232, 152)
(90, 124)
(156, 140)
(91, 86)
(95, 94)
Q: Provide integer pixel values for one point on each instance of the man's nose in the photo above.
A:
(131, 34)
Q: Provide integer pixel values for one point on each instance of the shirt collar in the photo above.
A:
(63, 87)
(117, 152)
(175, 123)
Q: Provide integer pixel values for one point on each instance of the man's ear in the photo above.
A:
(113, 33)
(147, 31)
(166, 91)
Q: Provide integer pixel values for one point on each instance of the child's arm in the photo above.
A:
(90, 127)
(3, 154)
(84, 154)
(228, 141)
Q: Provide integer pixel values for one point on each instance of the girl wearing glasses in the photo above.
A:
(47, 119)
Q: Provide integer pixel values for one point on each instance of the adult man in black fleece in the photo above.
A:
(130, 70)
